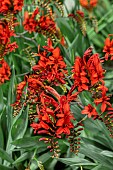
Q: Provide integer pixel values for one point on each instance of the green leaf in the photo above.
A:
(93, 152)
(23, 157)
(76, 161)
(28, 142)
(2, 167)
(45, 157)
(1, 137)
(99, 167)
(10, 99)
(5, 156)
(20, 125)
(1, 99)
(65, 28)
(107, 153)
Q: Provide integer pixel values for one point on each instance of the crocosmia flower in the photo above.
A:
(108, 49)
(88, 4)
(4, 71)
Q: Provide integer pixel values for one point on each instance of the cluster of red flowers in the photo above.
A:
(88, 75)
(88, 4)
(54, 115)
(38, 89)
(5, 34)
(50, 70)
(7, 10)
(53, 110)
(43, 24)
(87, 71)
(5, 46)
(54, 118)
(11, 6)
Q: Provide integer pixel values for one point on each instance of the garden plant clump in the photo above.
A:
(56, 84)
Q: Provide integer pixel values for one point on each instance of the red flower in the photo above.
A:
(89, 110)
(93, 3)
(108, 49)
(88, 4)
(11, 47)
(46, 23)
(54, 114)
(18, 4)
(34, 89)
(64, 117)
(4, 71)
(4, 6)
(5, 34)
(51, 67)
(104, 99)
(95, 70)
(80, 75)
(10, 5)
(30, 23)
(20, 88)
(37, 126)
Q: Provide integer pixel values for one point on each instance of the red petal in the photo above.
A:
(60, 122)
(59, 131)
(103, 107)
(44, 125)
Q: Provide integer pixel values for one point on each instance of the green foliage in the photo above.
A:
(18, 147)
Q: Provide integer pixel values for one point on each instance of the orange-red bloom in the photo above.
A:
(4, 71)
(93, 66)
(90, 111)
(87, 71)
(88, 4)
(108, 49)
(42, 24)
(11, 5)
(64, 123)
(103, 100)
(5, 34)
(51, 67)
(54, 114)
(80, 75)
(18, 4)
(30, 23)
(95, 70)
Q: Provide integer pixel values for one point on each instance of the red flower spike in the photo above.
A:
(64, 122)
(95, 70)
(108, 49)
(5, 34)
(30, 23)
(79, 75)
(4, 71)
